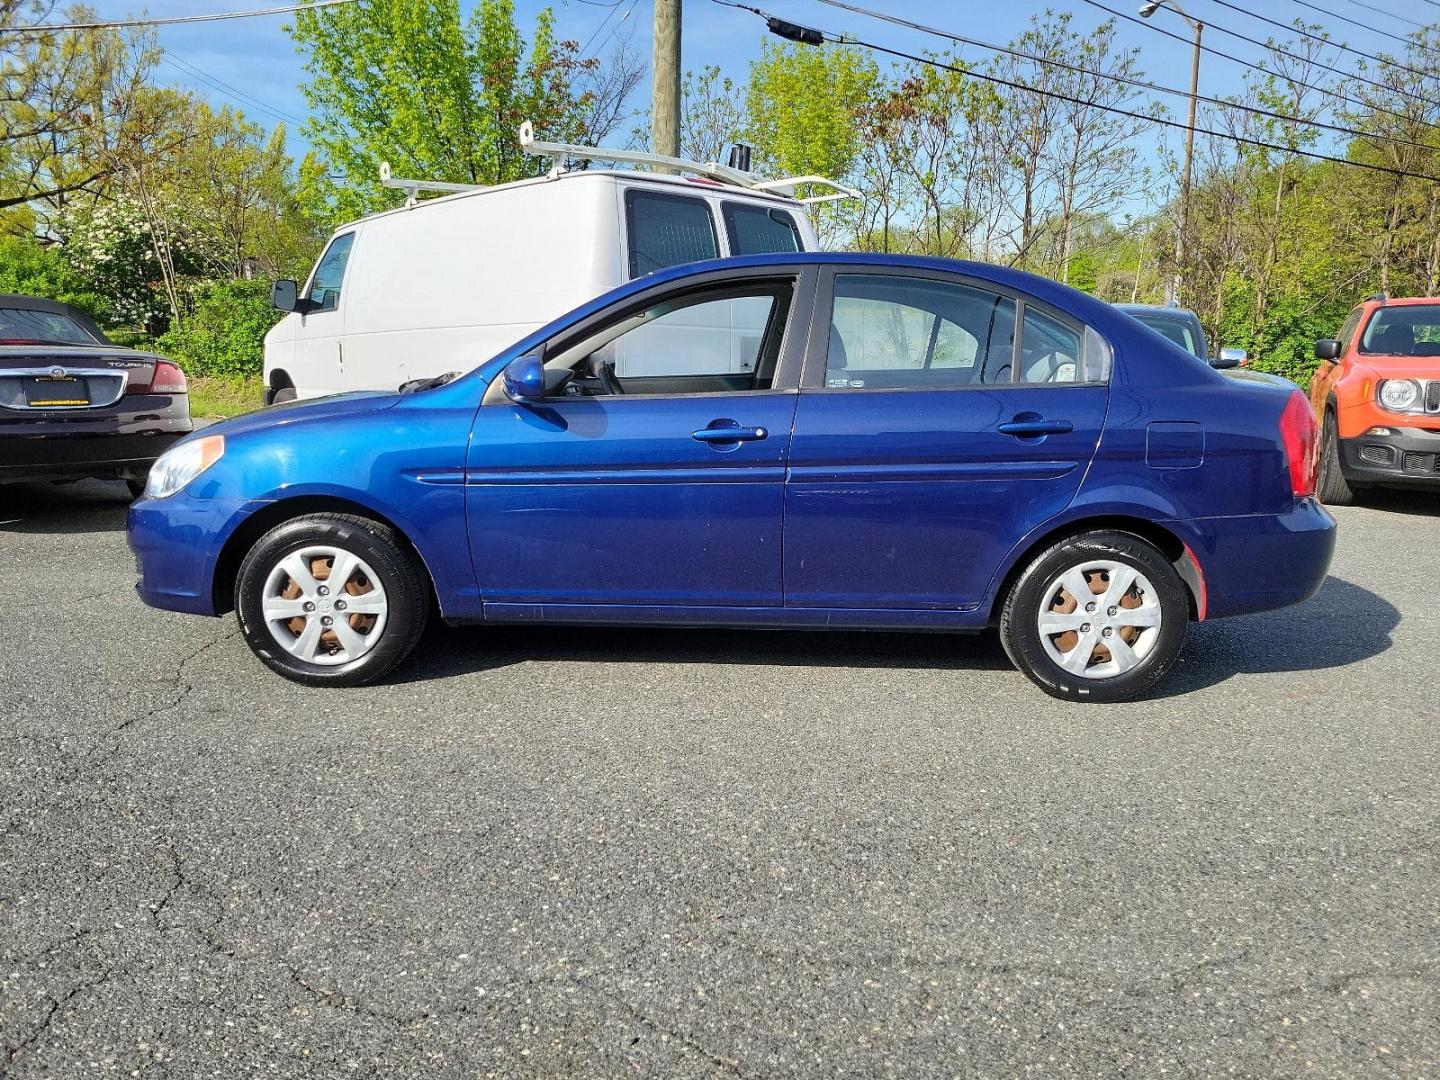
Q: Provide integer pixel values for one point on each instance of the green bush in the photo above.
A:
(28, 269)
(224, 334)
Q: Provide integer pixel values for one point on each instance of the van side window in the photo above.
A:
(667, 230)
(759, 230)
(330, 272)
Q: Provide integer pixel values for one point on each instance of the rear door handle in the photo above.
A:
(1036, 427)
(729, 434)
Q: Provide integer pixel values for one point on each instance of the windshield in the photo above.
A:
(26, 326)
(1176, 330)
(1410, 330)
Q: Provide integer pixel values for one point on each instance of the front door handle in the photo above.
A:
(729, 434)
(1032, 428)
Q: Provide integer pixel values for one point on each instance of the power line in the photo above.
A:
(1329, 92)
(118, 24)
(219, 85)
(1390, 15)
(616, 28)
(1325, 41)
(1161, 121)
(603, 23)
(1367, 26)
(1125, 79)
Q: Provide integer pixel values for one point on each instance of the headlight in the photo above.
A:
(1399, 395)
(180, 464)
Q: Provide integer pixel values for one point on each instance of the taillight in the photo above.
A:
(167, 378)
(1300, 437)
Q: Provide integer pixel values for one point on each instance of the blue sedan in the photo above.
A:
(813, 441)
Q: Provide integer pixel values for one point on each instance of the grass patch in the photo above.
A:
(216, 396)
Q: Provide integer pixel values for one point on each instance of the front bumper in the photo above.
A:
(177, 543)
(1410, 457)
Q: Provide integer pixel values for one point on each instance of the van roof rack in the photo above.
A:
(561, 153)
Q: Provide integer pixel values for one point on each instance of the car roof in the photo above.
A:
(1155, 309)
(1401, 301)
(54, 307)
(1042, 288)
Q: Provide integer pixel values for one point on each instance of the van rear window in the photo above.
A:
(759, 230)
(666, 230)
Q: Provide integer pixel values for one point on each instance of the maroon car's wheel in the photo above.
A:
(331, 600)
(1097, 617)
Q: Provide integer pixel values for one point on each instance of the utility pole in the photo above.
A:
(665, 80)
(1146, 10)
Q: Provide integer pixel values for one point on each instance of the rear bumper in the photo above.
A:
(177, 542)
(1262, 562)
(70, 453)
(1410, 457)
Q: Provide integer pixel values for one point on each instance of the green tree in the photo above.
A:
(803, 104)
(409, 82)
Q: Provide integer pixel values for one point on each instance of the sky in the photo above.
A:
(252, 63)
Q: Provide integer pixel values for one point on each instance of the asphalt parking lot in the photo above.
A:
(549, 852)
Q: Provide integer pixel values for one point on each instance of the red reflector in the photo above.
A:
(1299, 436)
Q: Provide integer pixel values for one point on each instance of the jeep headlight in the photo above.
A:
(182, 463)
(1399, 395)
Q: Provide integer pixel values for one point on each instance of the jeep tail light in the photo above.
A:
(167, 378)
(1299, 435)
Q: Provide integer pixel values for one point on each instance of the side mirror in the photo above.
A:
(285, 295)
(1327, 349)
(525, 378)
(1230, 358)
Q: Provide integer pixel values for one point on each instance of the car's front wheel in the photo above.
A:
(331, 600)
(1333, 487)
(1097, 617)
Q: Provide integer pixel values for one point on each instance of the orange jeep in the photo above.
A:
(1377, 397)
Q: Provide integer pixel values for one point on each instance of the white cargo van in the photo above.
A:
(442, 285)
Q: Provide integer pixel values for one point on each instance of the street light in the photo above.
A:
(1146, 10)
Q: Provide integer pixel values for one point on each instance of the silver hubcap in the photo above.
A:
(324, 605)
(1099, 619)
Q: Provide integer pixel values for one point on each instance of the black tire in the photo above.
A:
(1020, 629)
(399, 573)
(282, 395)
(137, 488)
(1331, 485)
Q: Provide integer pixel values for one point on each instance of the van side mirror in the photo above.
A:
(524, 378)
(1230, 358)
(285, 295)
(1327, 349)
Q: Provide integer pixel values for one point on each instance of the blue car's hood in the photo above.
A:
(292, 412)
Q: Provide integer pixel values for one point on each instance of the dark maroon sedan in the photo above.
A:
(73, 405)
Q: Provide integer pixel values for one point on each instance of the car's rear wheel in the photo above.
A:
(1331, 484)
(1097, 617)
(331, 600)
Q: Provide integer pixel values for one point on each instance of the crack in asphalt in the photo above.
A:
(179, 690)
(57, 1005)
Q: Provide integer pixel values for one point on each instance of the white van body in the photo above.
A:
(444, 284)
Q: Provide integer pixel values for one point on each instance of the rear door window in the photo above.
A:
(667, 230)
(759, 230)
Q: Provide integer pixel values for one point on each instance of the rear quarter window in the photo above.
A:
(667, 230)
(759, 230)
